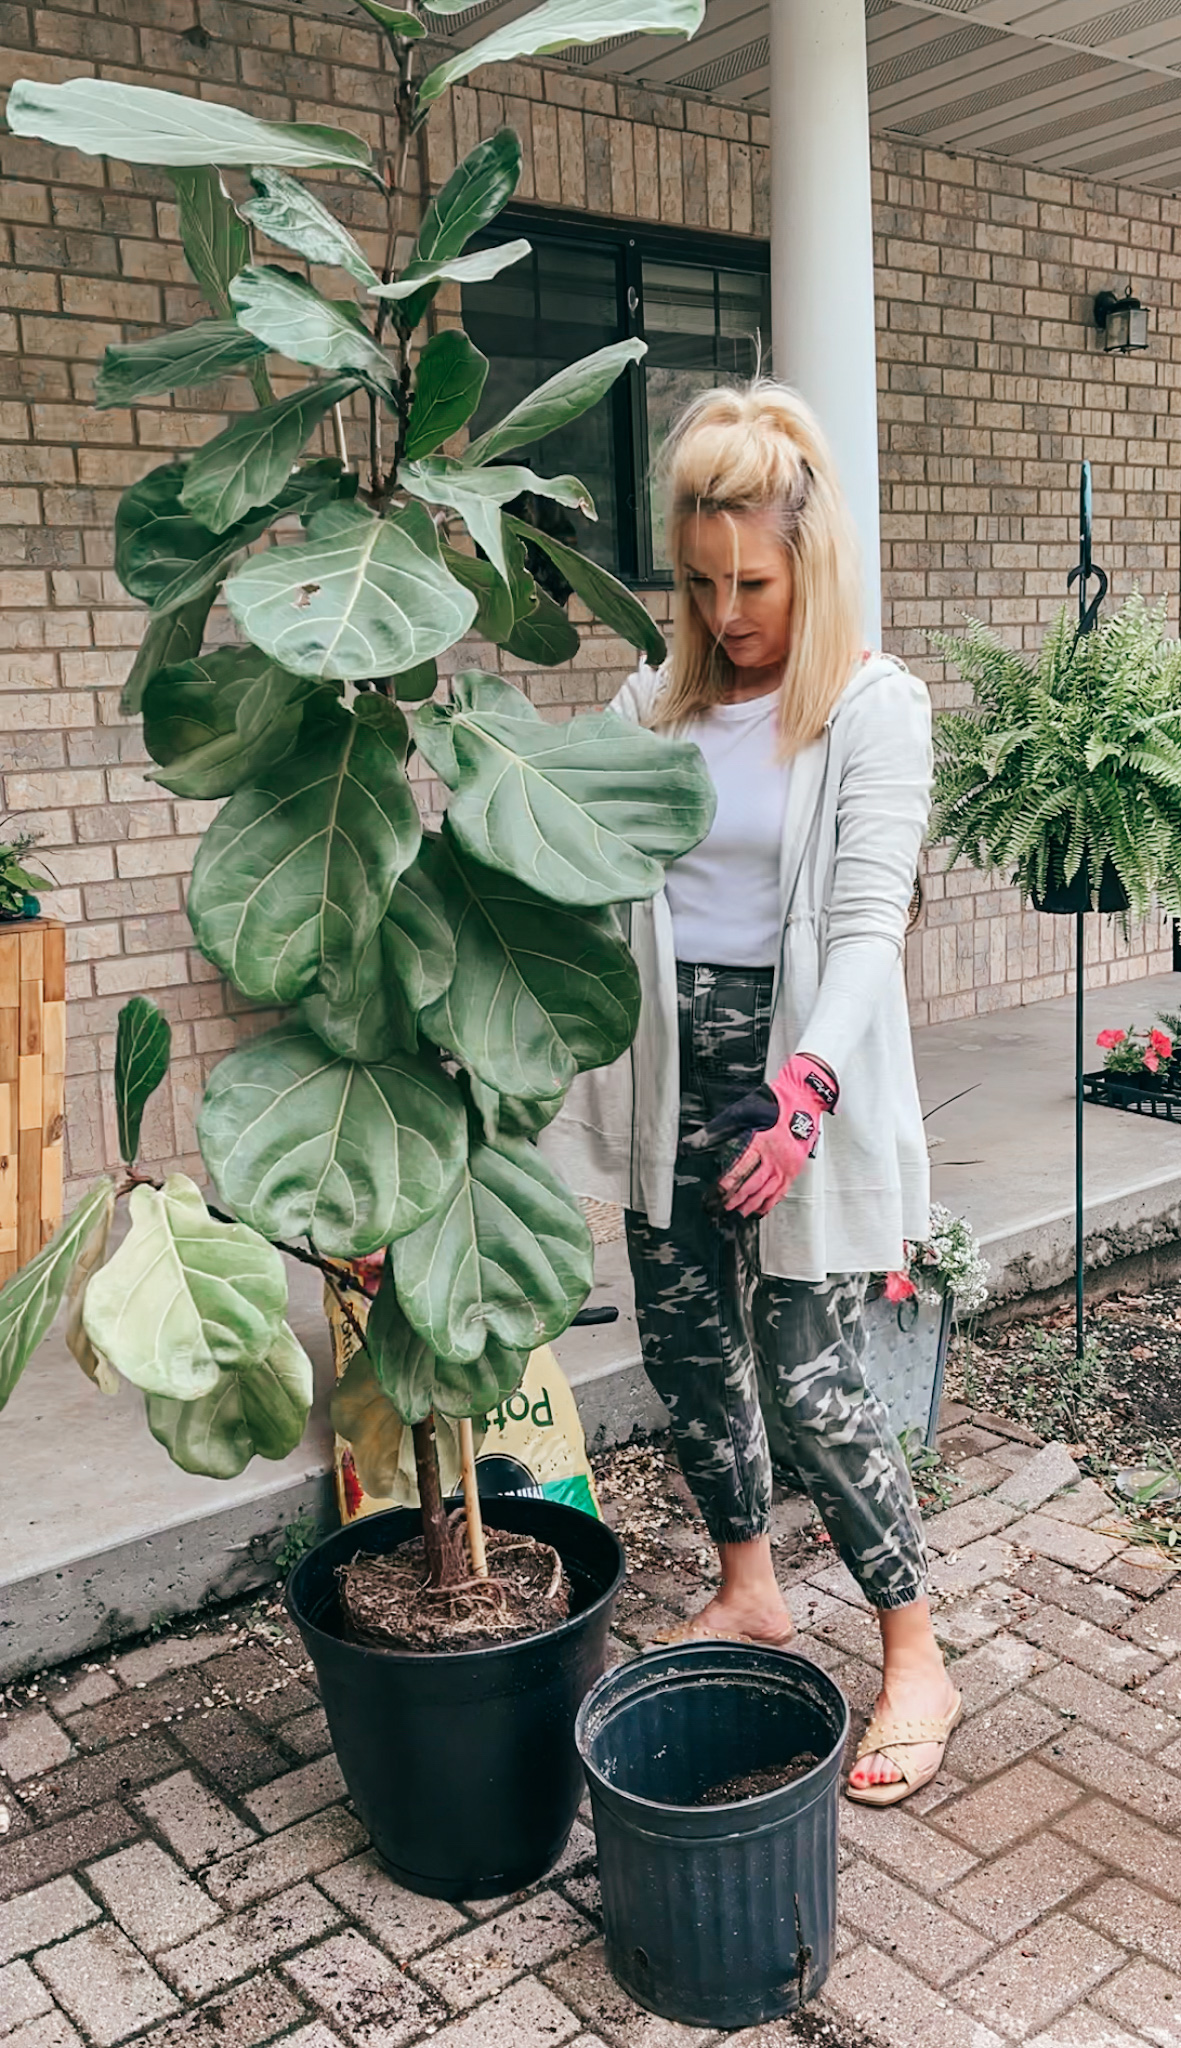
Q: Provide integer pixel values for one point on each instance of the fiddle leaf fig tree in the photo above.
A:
(441, 989)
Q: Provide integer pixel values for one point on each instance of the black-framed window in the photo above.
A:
(700, 301)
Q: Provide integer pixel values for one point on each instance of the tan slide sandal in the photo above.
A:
(893, 1739)
(687, 1633)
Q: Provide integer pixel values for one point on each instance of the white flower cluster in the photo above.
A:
(949, 1262)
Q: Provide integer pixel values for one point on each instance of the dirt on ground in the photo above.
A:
(1118, 1406)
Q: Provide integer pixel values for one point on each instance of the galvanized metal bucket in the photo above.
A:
(905, 1354)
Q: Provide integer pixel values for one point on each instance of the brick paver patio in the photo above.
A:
(180, 1864)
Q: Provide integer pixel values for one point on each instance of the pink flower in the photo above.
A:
(899, 1287)
(1152, 1061)
(1161, 1043)
(1109, 1038)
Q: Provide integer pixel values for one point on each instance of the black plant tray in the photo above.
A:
(1124, 1091)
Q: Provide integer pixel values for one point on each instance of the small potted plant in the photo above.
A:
(1065, 773)
(910, 1319)
(1141, 1068)
(18, 888)
(441, 989)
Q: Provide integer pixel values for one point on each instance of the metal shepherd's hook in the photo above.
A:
(1088, 618)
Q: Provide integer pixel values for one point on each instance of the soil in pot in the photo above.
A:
(752, 1784)
(388, 1602)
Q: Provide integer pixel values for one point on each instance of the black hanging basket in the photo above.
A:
(1067, 899)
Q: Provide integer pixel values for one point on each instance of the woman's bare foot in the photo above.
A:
(915, 1687)
(748, 1601)
(765, 1621)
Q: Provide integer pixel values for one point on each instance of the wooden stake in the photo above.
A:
(471, 1500)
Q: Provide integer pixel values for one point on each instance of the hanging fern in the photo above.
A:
(1073, 755)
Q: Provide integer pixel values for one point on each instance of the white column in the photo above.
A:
(822, 317)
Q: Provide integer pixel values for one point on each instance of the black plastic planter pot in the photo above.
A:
(717, 1916)
(462, 1765)
(1066, 899)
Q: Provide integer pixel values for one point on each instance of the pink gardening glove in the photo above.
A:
(804, 1088)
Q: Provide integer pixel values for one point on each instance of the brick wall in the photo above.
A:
(993, 386)
(990, 388)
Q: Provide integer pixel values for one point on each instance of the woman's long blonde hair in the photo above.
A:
(760, 449)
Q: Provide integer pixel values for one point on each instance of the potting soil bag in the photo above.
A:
(536, 1431)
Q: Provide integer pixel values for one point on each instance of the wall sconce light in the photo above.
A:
(1123, 323)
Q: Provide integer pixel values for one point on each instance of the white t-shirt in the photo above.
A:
(724, 895)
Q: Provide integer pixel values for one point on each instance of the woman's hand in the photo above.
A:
(804, 1089)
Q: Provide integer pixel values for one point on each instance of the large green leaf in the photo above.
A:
(511, 1116)
(381, 1443)
(184, 1297)
(143, 1047)
(554, 404)
(294, 876)
(558, 25)
(472, 690)
(215, 239)
(395, 20)
(507, 1255)
(415, 1381)
(250, 462)
(478, 495)
(89, 1258)
(539, 993)
(473, 195)
(587, 812)
(404, 968)
(600, 591)
(286, 212)
(447, 385)
(476, 268)
(545, 636)
(31, 1299)
(175, 362)
(305, 1145)
(171, 637)
(494, 613)
(141, 125)
(217, 721)
(283, 310)
(166, 557)
(208, 1435)
(360, 597)
(260, 1410)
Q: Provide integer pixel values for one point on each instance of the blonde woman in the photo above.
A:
(772, 961)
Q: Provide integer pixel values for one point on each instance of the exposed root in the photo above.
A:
(388, 1601)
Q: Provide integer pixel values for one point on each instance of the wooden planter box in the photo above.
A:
(32, 1083)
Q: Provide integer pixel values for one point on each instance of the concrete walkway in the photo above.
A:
(181, 1863)
(103, 1535)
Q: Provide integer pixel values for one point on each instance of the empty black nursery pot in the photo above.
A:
(716, 1916)
(462, 1764)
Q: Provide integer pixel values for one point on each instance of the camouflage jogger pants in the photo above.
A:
(757, 1372)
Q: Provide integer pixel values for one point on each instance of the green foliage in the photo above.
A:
(16, 881)
(31, 1299)
(143, 1045)
(1072, 755)
(444, 993)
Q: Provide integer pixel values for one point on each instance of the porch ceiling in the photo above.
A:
(1069, 85)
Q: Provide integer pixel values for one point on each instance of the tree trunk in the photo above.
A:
(444, 1562)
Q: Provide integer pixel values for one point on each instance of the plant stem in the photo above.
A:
(443, 1563)
(342, 446)
(471, 1500)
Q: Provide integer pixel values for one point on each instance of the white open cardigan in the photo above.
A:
(856, 812)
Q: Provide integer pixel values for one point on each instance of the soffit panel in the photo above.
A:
(1091, 86)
